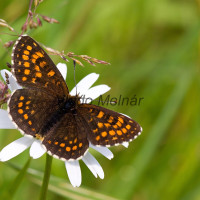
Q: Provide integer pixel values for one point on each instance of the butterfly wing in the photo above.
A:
(33, 68)
(106, 127)
(67, 140)
(31, 110)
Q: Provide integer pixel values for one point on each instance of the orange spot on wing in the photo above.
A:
(107, 125)
(39, 54)
(26, 64)
(24, 78)
(33, 80)
(42, 64)
(110, 120)
(25, 116)
(121, 120)
(20, 104)
(98, 138)
(68, 149)
(114, 138)
(56, 143)
(20, 111)
(26, 52)
(30, 122)
(119, 124)
(124, 130)
(100, 125)
(45, 85)
(74, 148)
(115, 126)
(112, 132)
(25, 57)
(29, 47)
(95, 131)
(32, 112)
(27, 71)
(35, 56)
(104, 134)
(33, 60)
(51, 73)
(65, 138)
(62, 144)
(28, 102)
(38, 74)
(119, 132)
(128, 126)
(21, 98)
(37, 68)
(80, 145)
(100, 115)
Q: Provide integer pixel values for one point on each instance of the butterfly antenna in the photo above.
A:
(75, 75)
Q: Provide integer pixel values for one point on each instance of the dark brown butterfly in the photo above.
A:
(44, 109)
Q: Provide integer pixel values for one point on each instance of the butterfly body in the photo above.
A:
(44, 109)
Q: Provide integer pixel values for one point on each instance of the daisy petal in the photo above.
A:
(13, 85)
(93, 165)
(74, 172)
(5, 122)
(15, 148)
(85, 84)
(125, 144)
(37, 150)
(104, 151)
(62, 67)
(96, 91)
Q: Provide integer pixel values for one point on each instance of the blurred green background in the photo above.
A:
(153, 48)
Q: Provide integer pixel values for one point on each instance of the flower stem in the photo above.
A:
(19, 179)
(43, 193)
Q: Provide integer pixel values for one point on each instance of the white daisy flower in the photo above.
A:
(37, 150)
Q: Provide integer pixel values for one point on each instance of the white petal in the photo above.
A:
(15, 148)
(37, 150)
(104, 151)
(96, 91)
(93, 165)
(13, 85)
(63, 69)
(85, 84)
(5, 122)
(74, 172)
(125, 144)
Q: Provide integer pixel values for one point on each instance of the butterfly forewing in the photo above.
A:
(33, 68)
(108, 128)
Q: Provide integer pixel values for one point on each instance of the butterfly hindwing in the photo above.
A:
(33, 68)
(108, 128)
(67, 140)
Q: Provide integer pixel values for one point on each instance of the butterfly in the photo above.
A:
(44, 109)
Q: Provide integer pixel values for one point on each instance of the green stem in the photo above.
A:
(47, 172)
(19, 179)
